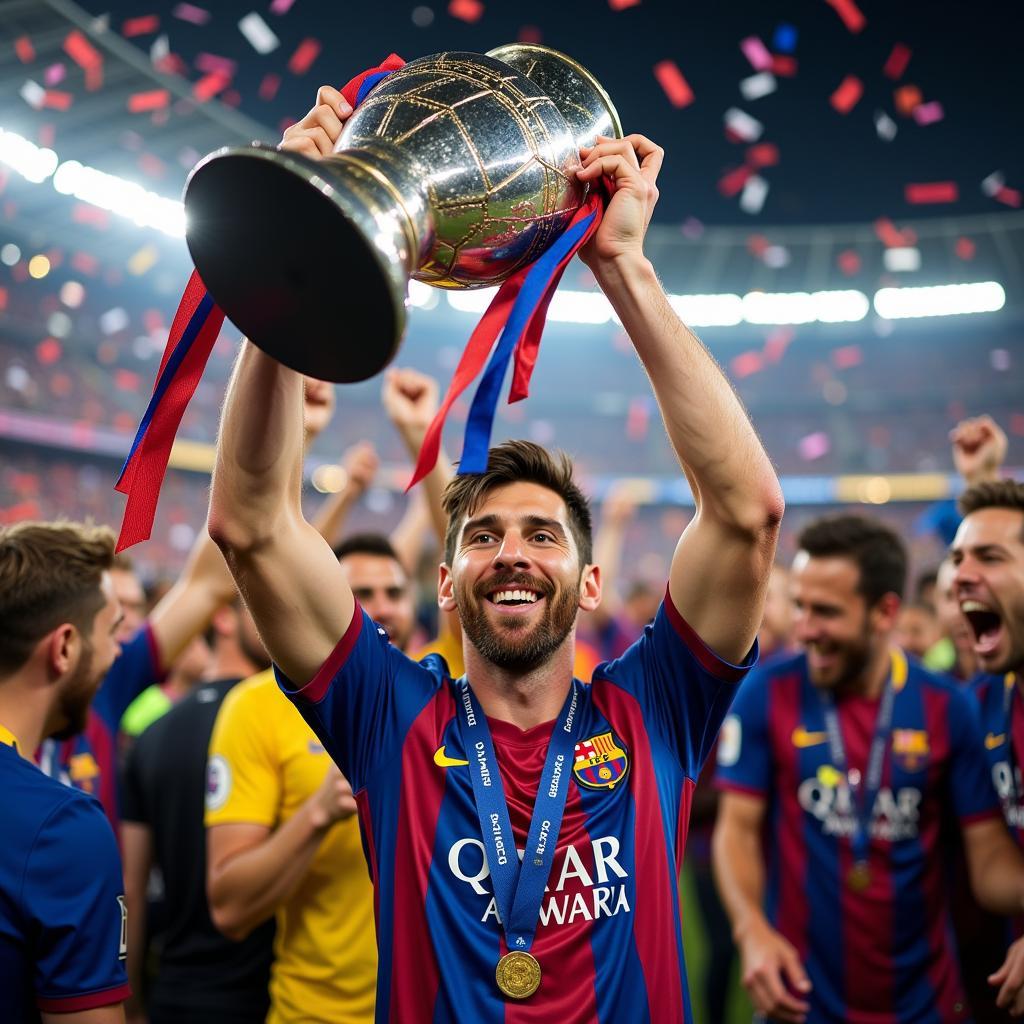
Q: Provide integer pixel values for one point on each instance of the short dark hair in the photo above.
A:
(50, 573)
(877, 551)
(993, 494)
(519, 462)
(366, 544)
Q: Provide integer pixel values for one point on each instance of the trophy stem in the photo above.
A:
(310, 258)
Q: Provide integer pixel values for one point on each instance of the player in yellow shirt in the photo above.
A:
(282, 834)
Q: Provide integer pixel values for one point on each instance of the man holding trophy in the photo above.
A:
(524, 831)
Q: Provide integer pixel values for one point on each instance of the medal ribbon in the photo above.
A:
(864, 796)
(196, 325)
(1009, 699)
(518, 887)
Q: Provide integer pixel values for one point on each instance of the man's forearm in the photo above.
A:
(258, 474)
(713, 438)
(739, 875)
(999, 883)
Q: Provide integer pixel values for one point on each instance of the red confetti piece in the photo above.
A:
(49, 351)
(190, 13)
(125, 380)
(211, 63)
(153, 99)
(466, 10)
(81, 51)
(152, 165)
(269, 86)
(932, 192)
(621, 5)
(172, 64)
(746, 364)
(57, 100)
(1017, 423)
(846, 97)
(47, 135)
(84, 213)
(531, 34)
(897, 62)
(965, 249)
(776, 343)
(638, 418)
(731, 183)
(891, 237)
(302, 59)
(3, 298)
(906, 98)
(1008, 196)
(140, 26)
(281, 6)
(209, 85)
(152, 320)
(673, 84)
(849, 262)
(757, 245)
(848, 356)
(85, 263)
(928, 113)
(24, 49)
(783, 66)
(232, 98)
(757, 53)
(54, 75)
(764, 154)
(850, 14)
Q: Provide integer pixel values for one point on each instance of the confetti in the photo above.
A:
(762, 84)
(776, 256)
(814, 446)
(54, 75)
(86, 213)
(765, 154)
(87, 57)
(902, 259)
(890, 236)
(847, 356)
(281, 6)
(965, 249)
(269, 86)
(731, 182)
(160, 50)
(302, 59)
(24, 49)
(907, 97)
(140, 26)
(928, 113)
(673, 84)
(932, 192)
(756, 52)
(848, 262)
(209, 85)
(49, 351)
(638, 418)
(466, 10)
(776, 343)
(143, 260)
(152, 165)
(153, 99)
(621, 5)
(1000, 360)
(530, 34)
(755, 191)
(57, 100)
(746, 364)
(1009, 197)
(784, 67)
(785, 38)
(848, 94)
(190, 13)
(1017, 423)
(850, 14)
(897, 62)
(113, 320)
(33, 94)
(885, 126)
(212, 64)
(692, 228)
(47, 135)
(741, 127)
(993, 183)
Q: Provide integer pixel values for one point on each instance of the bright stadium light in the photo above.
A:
(804, 307)
(473, 300)
(940, 300)
(580, 307)
(31, 161)
(708, 310)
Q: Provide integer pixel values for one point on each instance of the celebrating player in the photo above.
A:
(454, 777)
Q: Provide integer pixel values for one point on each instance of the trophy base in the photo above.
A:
(290, 267)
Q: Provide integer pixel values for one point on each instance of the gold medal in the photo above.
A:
(859, 877)
(518, 975)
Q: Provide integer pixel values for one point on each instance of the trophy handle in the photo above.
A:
(579, 96)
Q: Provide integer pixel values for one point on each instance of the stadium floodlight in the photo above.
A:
(708, 310)
(421, 295)
(32, 162)
(830, 307)
(939, 300)
(840, 307)
(580, 307)
(473, 300)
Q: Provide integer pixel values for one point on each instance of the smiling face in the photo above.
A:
(516, 577)
(988, 552)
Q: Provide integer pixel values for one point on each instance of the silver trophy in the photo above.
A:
(456, 170)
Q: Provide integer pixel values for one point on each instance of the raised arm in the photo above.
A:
(721, 566)
(285, 570)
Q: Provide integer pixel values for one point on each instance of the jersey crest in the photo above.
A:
(600, 762)
(910, 748)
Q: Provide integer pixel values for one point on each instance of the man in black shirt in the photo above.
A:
(202, 978)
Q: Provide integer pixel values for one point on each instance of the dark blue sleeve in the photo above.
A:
(744, 748)
(74, 898)
(137, 667)
(683, 688)
(364, 698)
(974, 795)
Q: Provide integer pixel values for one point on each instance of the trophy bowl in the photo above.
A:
(456, 170)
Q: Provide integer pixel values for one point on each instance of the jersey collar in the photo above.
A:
(8, 738)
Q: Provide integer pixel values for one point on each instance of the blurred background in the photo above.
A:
(840, 220)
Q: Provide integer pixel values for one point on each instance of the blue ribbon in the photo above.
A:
(368, 83)
(480, 422)
(188, 336)
(518, 888)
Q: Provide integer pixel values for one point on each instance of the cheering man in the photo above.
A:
(453, 778)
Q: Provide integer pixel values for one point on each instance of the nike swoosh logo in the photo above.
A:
(992, 740)
(803, 738)
(442, 760)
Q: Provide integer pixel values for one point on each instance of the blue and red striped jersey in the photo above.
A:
(608, 939)
(62, 912)
(884, 955)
